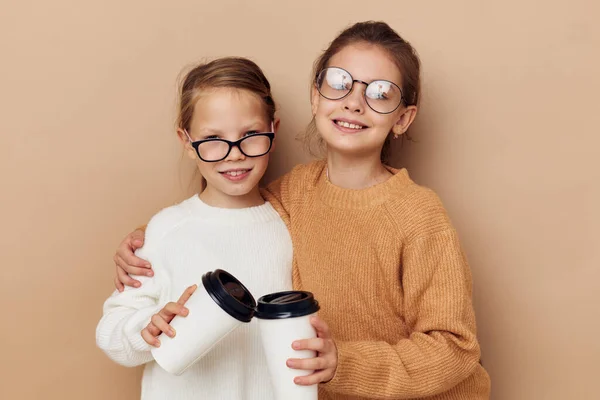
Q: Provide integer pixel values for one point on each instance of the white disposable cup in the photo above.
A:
(282, 323)
(213, 313)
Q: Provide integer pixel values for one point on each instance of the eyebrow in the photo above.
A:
(367, 80)
(248, 127)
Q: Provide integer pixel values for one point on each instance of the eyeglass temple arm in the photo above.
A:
(188, 135)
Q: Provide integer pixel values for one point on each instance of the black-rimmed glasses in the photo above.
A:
(382, 96)
(215, 149)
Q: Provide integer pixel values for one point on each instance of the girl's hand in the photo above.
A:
(324, 364)
(127, 262)
(160, 321)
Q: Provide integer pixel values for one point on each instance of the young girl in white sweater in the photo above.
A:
(227, 125)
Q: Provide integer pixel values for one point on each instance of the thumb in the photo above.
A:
(137, 239)
(320, 326)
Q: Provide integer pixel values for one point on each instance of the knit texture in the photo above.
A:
(182, 243)
(387, 268)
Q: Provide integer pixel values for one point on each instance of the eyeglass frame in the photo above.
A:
(402, 99)
(196, 144)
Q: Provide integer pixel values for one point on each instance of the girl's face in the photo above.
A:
(229, 114)
(349, 126)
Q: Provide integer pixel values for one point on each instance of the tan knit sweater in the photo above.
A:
(386, 266)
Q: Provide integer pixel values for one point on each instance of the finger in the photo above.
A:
(177, 309)
(149, 338)
(187, 294)
(125, 279)
(171, 310)
(154, 331)
(320, 326)
(125, 251)
(313, 379)
(316, 344)
(131, 269)
(120, 287)
(163, 325)
(137, 239)
(309, 364)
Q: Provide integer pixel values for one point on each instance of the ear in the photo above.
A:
(315, 97)
(275, 130)
(187, 147)
(404, 120)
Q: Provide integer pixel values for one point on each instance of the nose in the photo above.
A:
(235, 154)
(355, 100)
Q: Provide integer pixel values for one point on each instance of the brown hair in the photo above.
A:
(228, 72)
(402, 53)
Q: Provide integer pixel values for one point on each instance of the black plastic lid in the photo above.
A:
(289, 304)
(229, 294)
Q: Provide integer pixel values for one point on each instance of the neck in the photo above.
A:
(355, 172)
(215, 198)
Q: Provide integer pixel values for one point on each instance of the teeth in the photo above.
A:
(236, 173)
(348, 125)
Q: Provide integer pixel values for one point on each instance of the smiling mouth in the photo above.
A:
(348, 125)
(237, 172)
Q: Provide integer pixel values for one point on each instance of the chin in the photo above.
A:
(238, 191)
(348, 145)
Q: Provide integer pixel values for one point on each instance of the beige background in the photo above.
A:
(507, 134)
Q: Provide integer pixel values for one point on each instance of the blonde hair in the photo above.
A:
(228, 72)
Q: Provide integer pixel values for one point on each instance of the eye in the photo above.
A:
(379, 90)
(211, 137)
(338, 79)
(250, 133)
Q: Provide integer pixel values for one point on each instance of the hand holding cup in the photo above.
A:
(160, 321)
(324, 364)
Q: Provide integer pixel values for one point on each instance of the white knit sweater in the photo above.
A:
(182, 243)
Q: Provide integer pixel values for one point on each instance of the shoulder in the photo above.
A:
(167, 221)
(298, 181)
(304, 177)
(417, 210)
(308, 173)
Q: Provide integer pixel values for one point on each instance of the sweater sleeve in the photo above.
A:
(442, 348)
(125, 314)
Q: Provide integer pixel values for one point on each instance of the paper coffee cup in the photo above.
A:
(217, 307)
(283, 318)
